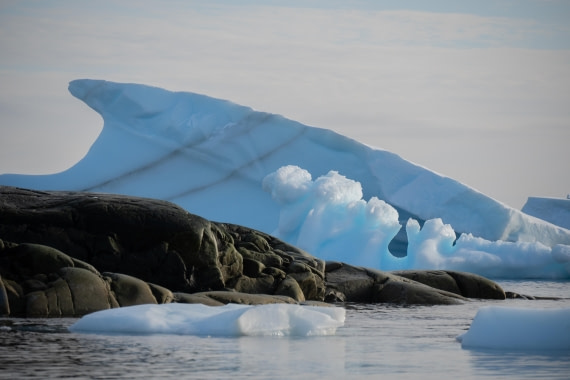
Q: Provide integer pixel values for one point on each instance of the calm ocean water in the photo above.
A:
(377, 341)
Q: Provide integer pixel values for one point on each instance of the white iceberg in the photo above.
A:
(329, 218)
(211, 157)
(511, 328)
(553, 210)
(202, 320)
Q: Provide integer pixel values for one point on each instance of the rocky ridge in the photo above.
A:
(72, 253)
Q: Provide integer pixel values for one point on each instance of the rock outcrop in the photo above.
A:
(356, 284)
(468, 285)
(72, 253)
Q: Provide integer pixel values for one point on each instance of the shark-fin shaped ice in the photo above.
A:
(210, 157)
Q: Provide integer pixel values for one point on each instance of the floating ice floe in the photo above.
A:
(228, 320)
(512, 328)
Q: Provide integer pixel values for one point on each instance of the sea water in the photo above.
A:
(376, 341)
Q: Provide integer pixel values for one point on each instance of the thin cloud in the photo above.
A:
(371, 74)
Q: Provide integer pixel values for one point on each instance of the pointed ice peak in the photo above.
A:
(153, 111)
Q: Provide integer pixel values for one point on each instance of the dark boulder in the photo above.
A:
(152, 240)
(145, 249)
(468, 285)
(225, 297)
(78, 289)
(349, 283)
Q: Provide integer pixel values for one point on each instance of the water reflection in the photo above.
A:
(521, 364)
(377, 340)
(323, 354)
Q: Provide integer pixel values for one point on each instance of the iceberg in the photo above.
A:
(202, 320)
(329, 218)
(553, 210)
(496, 327)
(230, 163)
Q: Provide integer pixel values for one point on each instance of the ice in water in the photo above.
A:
(519, 329)
(228, 320)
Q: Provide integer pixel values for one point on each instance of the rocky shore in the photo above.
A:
(73, 253)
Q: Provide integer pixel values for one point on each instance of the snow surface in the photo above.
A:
(513, 328)
(553, 210)
(329, 218)
(228, 320)
(232, 164)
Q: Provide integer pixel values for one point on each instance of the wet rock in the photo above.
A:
(74, 293)
(196, 298)
(407, 292)
(353, 284)
(226, 297)
(290, 287)
(263, 284)
(128, 290)
(218, 298)
(252, 268)
(464, 284)
(161, 294)
(513, 295)
(16, 297)
(4, 301)
(155, 241)
(356, 284)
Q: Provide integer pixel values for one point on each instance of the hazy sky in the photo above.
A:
(478, 91)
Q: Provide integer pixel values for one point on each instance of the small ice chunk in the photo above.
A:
(499, 327)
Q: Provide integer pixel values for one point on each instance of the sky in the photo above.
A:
(477, 91)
